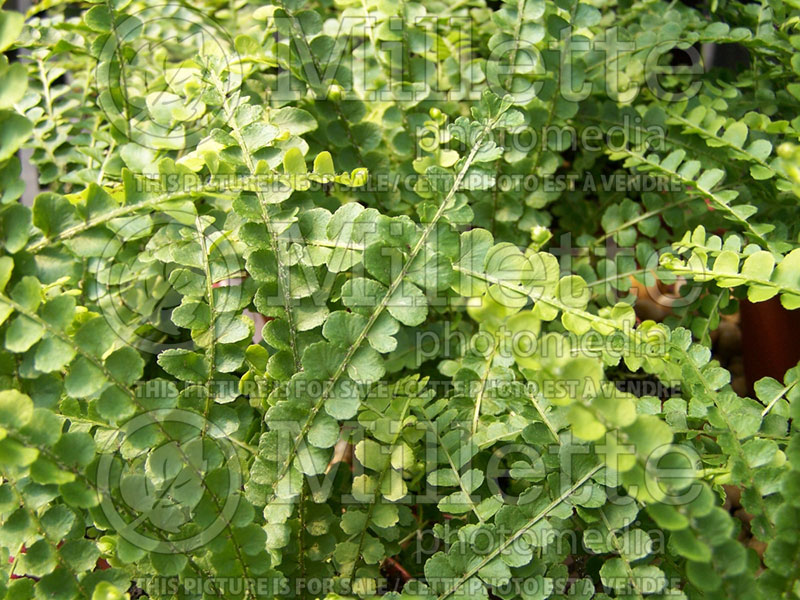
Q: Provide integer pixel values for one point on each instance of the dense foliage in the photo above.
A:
(334, 299)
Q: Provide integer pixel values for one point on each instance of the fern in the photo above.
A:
(335, 300)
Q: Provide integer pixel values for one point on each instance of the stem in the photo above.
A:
(380, 308)
(283, 275)
(520, 532)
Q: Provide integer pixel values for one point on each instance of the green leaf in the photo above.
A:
(13, 86)
(690, 547)
(586, 16)
(710, 178)
(22, 333)
(294, 120)
(736, 134)
(584, 424)
(125, 364)
(573, 292)
(184, 365)
(613, 574)
(11, 23)
(323, 164)
(98, 18)
(16, 409)
(293, 162)
(408, 304)
(53, 354)
(107, 591)
(473, 247)
(14, 131)
(258, 135)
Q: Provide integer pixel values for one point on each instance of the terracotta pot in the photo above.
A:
(770, 340)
